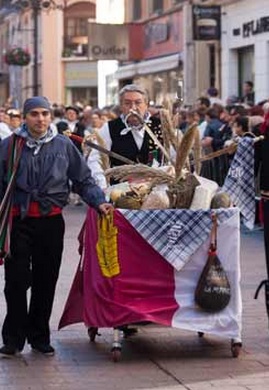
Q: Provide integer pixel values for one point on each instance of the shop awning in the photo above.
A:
(149, 66)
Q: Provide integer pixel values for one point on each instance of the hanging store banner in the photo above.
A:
(206, 22)
(80, 74)
(108, 42)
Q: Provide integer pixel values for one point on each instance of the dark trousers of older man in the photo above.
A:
(34, 262)
(266, 232)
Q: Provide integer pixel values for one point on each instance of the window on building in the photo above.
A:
(246, 69)
(76, 27)
(75, 37)
(157, 6)
(137, 9)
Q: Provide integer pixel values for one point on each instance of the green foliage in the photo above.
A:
(17, 56)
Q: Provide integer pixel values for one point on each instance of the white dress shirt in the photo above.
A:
(94, 159)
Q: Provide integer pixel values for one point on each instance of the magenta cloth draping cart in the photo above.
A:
(160, 256)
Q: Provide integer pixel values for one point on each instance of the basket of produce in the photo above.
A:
(171, 186)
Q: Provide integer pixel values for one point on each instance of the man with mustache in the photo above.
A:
(126, 135)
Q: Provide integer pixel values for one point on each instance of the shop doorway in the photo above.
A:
(246, 69)
(86, 96)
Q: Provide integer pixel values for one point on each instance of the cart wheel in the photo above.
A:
(92, 332)
(128, 332)
(200, 334)
(116, 354)
(236, 349)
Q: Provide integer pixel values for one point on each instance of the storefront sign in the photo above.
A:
(206, 22)
(253, 27)
(108, 42)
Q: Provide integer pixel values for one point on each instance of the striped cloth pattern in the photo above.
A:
(14, 154)
(175, 234)
(240, 181)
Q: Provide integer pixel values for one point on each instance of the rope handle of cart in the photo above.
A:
(227, 150)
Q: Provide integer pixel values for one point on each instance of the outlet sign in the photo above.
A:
(108, 42)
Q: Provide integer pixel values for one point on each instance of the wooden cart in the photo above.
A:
(149, 288)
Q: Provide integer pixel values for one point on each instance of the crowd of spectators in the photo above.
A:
(218, 123)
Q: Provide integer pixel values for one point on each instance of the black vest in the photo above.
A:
(262, 160)
(125, 144)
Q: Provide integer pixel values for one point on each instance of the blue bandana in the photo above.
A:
(35, 102)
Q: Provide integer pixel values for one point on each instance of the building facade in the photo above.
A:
(160, 43)
(64, 72)
(108, 11)
(183, 46)
(4, 36)
(245, 47)
(175, 62)
(174, 58)
(56, 34)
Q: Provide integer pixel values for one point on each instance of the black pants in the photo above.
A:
(216, 169)
(36, 252)
(266, 233)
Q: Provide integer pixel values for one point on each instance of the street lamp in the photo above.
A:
(37, 6)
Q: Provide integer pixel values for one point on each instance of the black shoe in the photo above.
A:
(8, 351)
(45, 349)
(127, 332)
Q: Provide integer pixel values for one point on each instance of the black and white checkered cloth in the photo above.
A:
(175, 234)
(240, 181)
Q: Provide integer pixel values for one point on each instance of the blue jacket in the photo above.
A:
(213, 129)
(45, 176)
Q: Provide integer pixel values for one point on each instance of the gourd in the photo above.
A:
(220, 200)
(115, 194)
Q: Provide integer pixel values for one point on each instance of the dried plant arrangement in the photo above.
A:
(180, 186)
(184, 149)
(197, 152)
(169, 133)
(182, 190)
